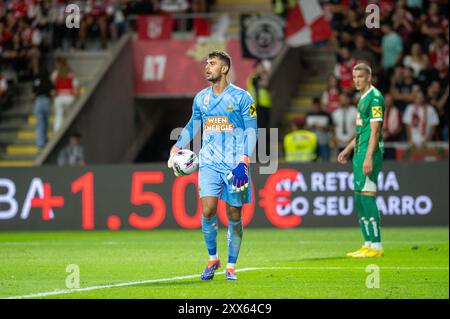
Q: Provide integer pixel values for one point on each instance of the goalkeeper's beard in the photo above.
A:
(216, 79)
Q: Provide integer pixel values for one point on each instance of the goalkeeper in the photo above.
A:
(228, 116)
(368, 149)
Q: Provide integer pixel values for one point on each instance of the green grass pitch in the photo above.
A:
(295, 263)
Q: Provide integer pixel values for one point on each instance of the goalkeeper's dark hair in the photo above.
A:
(223, 56)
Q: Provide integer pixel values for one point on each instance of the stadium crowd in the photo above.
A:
(30, 29)
(409, 56)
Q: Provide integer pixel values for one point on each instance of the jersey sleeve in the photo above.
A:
(192, 127)
(248, 113)
(376, 110)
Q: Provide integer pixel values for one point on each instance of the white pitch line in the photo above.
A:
(299, 242)
(141, 282)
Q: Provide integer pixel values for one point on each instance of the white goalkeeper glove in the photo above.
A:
(173, 151)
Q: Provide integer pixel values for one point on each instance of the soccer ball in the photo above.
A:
(185, 162)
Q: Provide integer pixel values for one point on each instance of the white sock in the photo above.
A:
(231, 265)
(368, 244)
(213, 257)
(376, 246)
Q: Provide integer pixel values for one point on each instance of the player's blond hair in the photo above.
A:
(363, 67)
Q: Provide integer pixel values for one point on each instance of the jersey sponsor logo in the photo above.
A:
(359, 121)
(253, 110)
(230, 108)
(206, 100)
(218, 124)
(377, 111)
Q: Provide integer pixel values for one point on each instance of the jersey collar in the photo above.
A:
(225, 89)
(368, 91)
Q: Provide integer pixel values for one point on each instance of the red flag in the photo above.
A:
(306, 24)
(155, 27)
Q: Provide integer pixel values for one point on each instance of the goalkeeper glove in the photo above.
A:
(240, 175)
(173, 151)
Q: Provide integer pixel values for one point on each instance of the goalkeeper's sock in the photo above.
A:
(363, 220)
(234, 237)
(209, 228)
(370, 206)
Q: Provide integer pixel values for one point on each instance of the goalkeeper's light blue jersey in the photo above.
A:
(229, 127)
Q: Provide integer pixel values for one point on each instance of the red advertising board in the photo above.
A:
(176, 67)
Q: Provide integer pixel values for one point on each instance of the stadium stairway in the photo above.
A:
(18, 124)
(317, 65)
(298, 75)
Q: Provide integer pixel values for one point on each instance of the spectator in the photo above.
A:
(402, 88)
(433, 24)
(31, 39)
(438, 51)
(421, 121)
(330, 98)
(415, 5)
(118, 24)
(438, 97)
(57, 23)
(258, 86)
(72, 154)
(43, 91)
(442, 73)
(300, 145)
(402, 20)
(362, 53)
(392, 125)
(344, 119)
(320, 123)
(14, 54)
(427, 76)
(94, 22)
(66, 87)
(416, 60)
(392, 46)
(19, 8)
(343, 69)
(350, 27)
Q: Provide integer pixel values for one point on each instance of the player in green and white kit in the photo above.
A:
(368, 150)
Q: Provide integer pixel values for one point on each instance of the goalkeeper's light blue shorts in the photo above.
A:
(216, 184)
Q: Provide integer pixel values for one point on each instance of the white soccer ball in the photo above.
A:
(185, 162)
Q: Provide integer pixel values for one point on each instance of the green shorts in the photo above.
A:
(364, 183)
